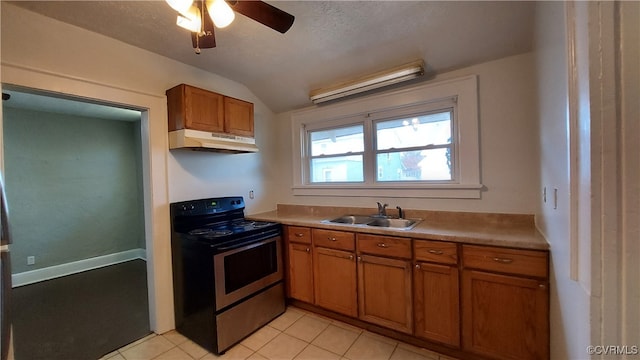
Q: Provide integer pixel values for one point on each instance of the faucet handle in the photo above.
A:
(400, 212)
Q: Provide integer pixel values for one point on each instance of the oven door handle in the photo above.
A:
(243, 244)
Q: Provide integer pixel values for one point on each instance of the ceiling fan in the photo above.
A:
(200, 16)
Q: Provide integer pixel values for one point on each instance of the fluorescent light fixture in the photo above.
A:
(220, 13)
(374, 81)
(191, 20)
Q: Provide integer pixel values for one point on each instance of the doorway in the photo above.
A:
(74, 184)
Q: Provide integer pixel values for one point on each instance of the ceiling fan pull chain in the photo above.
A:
(201, 32)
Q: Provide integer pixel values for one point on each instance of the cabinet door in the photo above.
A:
(238, 117)
(505, 317)
(436, 303)
(204, 110)
(300, 272)
(335, 280)
(384, 292)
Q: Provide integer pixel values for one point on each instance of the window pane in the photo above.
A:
(431, 129)
(434, 164)
(337, 141)
(337, 169)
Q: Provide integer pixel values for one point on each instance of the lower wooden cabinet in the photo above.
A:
(436, 303)
(505, 315)
(335, 280)
(300, 271)
(480, 301)
(384, 292)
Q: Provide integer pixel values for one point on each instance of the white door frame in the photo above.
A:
(154, 160)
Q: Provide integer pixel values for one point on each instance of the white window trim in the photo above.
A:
(467, 185)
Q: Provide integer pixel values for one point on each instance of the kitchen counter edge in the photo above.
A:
(517, 236)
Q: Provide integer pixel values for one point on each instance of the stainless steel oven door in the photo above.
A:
(242, 271)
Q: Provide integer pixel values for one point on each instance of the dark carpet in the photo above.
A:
(81, 316)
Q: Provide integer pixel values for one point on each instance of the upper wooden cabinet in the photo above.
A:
(238, 117)
(198, 109)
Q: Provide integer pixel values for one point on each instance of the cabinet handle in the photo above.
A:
(417, 266)
(542, 286)
(382, 245)
(435, 252)
(350, 257)
(332, 238)
(503, 260)
(307, 250)
(359, 258)
(299, 235)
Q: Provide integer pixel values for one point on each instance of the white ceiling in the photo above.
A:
(329, 42)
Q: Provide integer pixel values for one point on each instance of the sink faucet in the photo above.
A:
(382, 209)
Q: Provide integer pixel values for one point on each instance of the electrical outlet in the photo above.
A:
(31, 260)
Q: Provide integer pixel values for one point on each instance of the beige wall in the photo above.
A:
(508, 146)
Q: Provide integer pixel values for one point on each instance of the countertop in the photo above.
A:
(506, 230)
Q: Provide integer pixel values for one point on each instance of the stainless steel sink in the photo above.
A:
(375, 220)
(394, 223)
(352, 219)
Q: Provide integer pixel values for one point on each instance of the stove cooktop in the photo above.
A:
(233, 227)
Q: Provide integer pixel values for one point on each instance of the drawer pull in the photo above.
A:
(383, 245)
(350, 257)
(417, 266)
(332, 238)
(299, 235)
(503, 260)
(307, 250)
(435, 252)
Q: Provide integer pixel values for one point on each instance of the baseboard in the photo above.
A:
(52, 272)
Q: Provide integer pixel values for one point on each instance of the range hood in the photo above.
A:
(206, 141)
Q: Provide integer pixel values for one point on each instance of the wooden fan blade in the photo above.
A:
(208, 39)
(264, 13)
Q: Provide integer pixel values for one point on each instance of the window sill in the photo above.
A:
(436, 191)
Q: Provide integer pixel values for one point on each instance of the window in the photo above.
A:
(416, 148)
(416, 142)
(336, 154)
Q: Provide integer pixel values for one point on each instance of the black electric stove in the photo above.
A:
(219, 222)
(227, 271)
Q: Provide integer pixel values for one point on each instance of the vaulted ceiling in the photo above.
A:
(329, 42)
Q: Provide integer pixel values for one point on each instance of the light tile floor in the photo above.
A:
(296, 334)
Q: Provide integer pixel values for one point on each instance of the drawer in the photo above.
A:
(511, 261)
(334, 239)
(299, 234)
(384, 245)
(436, 251)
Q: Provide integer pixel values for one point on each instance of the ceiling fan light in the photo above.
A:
(191, 20)
(220, 13)
(181, 6)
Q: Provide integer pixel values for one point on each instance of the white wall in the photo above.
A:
(65, 59)
(570, 314)
(508, 146)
